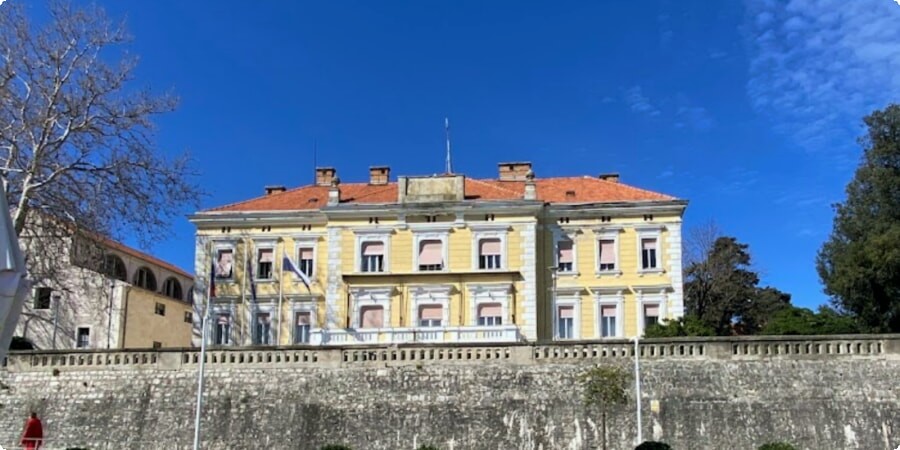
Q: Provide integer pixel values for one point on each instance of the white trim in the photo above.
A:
(435, 227)
(658, 297)
(371, 296)
(567, 234)
(673, 249)
(271, 310)
(649, 233)
(528, 299)
(307, 307)
(604, 297)
(383, 236)
(306, 242)
(489, 293)
(489, 226)
(265, 245)
(567, 297)
(334, 277)
(224, 245)
(493, 233)
(430, 295)
(223, 308)
(90, 336)
(604, 234)
(443, 236)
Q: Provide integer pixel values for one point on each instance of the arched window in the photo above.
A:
(144, 278)
(172, 288)
(115, 268)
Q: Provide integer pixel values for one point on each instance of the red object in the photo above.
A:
(33, 436)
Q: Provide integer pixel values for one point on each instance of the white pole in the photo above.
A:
(203, 339)
(637, 389)
(280, 295)
(245, 257)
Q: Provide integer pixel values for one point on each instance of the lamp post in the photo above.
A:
(637, 388)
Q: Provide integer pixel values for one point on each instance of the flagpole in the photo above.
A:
(203, 339)
(245, 257)
(280, 295)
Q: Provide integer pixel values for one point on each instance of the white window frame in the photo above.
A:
(223, 309)
(430, 295)
(303, 308)
(606, 234)
(649, 232)
(380, 296)
(273, 334)
(265, 245)
(90, 342)
(561, 234)
(650, 296)
(225, 245)
(443, 236)
(567, 297)
(489, 231)
(306, 242)
(489, 293)
(605, 296)
(372, 236)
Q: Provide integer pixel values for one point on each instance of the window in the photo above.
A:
(114, 267)
(651, 315)
(608, 321)
(302, 326)
(188, 317)
(565, 322)
(224, 263)
(265, 258)
(144, 278)
(160, 309)
(262, 333)
(157, 344)
(489, 251)
(372, 257)
(431, 255)
(83, 337)
(172, 288)
(42, 297)
(607, 249)
(371, 317)
(648, 253)
(490, 314)
(305, 258)
(222, 332)
(431, 315)
(565, 254)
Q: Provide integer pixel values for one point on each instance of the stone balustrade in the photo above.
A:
(713, 348)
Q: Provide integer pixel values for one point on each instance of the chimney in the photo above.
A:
(325, 175)
(275, 189)
(530, 187)
(379, 175)
(334, 192)
(611, 177)
(514, 171)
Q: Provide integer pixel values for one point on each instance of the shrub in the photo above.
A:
(653, 445)
(336, 447)
(427, 447)
(777, 446)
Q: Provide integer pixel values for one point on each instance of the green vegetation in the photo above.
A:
(605, 390)
(777, 446)
(653, 445)
(793, 320)
(427, 447)
(335, 447)
(684, 326)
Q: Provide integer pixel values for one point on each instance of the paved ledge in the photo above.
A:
(882, 346)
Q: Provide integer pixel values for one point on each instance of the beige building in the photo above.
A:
(133, 301)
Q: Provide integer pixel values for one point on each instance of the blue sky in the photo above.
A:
(750, 110)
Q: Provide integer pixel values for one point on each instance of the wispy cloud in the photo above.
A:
(639, 103)
(818, 66)
(696, 117)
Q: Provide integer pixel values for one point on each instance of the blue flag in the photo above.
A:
(287, 264)
(249, 267)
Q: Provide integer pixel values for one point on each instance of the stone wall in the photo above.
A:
(818, 393)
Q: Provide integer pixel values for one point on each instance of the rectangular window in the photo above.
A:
(489, 251)
(157, 344)
(607, 321)
(160, 309)
(431, 315)
(648, 253)
(651, 315)
(565, 254)
(224, 263)
(372, 257)
(264, 260)
(262, 334)
(565, 323)
(607, 255)
(490, 314)
(222, 332)
(303, 325)
(431, 255)
(188, 317)
(42, 297)
(371, 317)
(305, 259)
(83, 337)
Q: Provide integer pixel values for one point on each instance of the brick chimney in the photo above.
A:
(324, 176)
(275, 189)
(611, 177)
(514, 171)
(334, 192)
(379, 175)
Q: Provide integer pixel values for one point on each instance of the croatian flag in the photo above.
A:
(289, 265)
(249, 267)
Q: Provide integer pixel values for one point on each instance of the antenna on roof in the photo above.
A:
(447, 132)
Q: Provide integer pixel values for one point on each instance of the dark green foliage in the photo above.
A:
(427, 447)
(777, 446)
(335, 447)
(605, 390)
(653, 445)
(860, 263)
(796, 321)
(684, 326)
(20, 343)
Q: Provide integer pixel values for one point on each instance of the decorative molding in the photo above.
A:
(430, 295)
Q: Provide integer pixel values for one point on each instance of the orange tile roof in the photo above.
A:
(122, 248)
(552, 190)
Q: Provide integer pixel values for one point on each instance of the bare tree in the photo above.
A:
(699, 241)
(604, 389)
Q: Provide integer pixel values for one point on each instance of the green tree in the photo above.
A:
(605, 390)
(683, 326)
(797, 321)
(860, 262)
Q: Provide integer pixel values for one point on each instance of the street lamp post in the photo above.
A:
(637, 388)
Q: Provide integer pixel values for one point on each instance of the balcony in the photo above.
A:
(504, 333)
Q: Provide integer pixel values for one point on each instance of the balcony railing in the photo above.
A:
(506, 333)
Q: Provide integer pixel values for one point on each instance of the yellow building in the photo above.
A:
(441, 259)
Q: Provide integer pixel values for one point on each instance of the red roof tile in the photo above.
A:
(552, 190)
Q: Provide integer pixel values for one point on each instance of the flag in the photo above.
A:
(289, 265)
(249, 267)
(212, 280)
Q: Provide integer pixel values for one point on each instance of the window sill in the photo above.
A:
(569, 274)
(642, 272)
(601, 273)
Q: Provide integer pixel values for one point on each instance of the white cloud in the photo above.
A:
(640, 103)
(818, 66)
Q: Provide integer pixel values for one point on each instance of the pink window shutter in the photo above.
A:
(266, 255)
(648, 244)
(608, 311)
(306, 253)
(430, 253)
(303, 318)
(566, 255)
(372, 317)
(490, 247)
(224, 319)
(607, 252)
(262, 318)
(490, 310)
(373, 248)
(566, 312)
(431, 312)
(651, 310)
